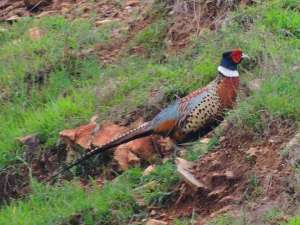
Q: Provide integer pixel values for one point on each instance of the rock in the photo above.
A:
(76, 219)
(142, 147)
(32, 146)
(126, 158)
(295, 68)
(230, 175)
(204, 140)
(106, 132)
(35, 33)
(127, 154)
(230, 199)
(167, 145)
(187, 165)
(46, 13)
(132, 3)
(252, 153)
(255, 84)
(153, 212)
(81, 136)
(189, 178)
(156, 222)
(224, 125)
(65, 8)
(3, 30)
(106, 21)
(217, 193)
(149, 170)
(12, 19)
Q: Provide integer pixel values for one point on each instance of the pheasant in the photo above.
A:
(189, 114)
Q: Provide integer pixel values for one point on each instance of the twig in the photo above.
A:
(36, 5)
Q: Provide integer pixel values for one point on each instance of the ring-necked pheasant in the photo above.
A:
(189, 114)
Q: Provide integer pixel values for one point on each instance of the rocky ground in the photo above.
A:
(240, 172)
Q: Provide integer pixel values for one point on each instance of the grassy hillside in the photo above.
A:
(46, 87)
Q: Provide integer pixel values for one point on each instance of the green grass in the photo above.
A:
(50, 205)
(294, 221)
(165, 178)
(76, 89)
(112, 204)
(151, 38)
(226, 219)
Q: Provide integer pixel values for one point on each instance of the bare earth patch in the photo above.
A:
(239, 173)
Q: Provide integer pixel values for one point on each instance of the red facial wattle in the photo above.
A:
(236, 56)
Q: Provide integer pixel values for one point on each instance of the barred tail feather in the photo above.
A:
(142, 131)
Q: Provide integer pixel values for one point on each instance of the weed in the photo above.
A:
(68, 97)
(272, 215)
(253, 188)
(225, 219)
(294, 221)
(197, 149)
(166, 178)
(151, 39)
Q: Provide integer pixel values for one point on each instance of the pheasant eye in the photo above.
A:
(236, 56)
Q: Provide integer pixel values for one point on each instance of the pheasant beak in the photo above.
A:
(244, 56)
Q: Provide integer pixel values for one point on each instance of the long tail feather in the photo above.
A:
(142, 131)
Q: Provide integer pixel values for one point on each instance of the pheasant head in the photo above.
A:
(229, 62)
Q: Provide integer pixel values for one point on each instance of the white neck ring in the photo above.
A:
(227, 72)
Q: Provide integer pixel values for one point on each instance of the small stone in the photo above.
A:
(187, 165)
(13, 19)
(223, 138)
(217, 193)
(252, 153)
(46, 13)
(65, 8)
(215, 164)
(149, 170)
(35, 33)
(230, 175)
(132, 3)
(102, 22)
(3, 30)
(32, 146)
(190, 179)
(229, 199)
(296, 67)
(153, 213)
(129, 9)
(81, 136)
(255, 84)
(204, 140)
(126, 158)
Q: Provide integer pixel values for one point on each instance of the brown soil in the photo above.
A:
(105, 11)
(71, 9)
(192, 17)
(14, 183)
(185, 19)
(238, 172)
(15, 179)
(111, 52)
